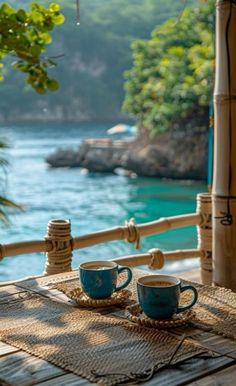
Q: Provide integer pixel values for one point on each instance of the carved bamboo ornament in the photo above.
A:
(224, 180)
(204, 232)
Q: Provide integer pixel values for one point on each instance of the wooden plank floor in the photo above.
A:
(226, 377)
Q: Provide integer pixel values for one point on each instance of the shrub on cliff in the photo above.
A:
(172, 73)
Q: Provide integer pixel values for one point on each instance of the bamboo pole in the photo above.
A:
(146, 229)
(224, 180)
(148, 258)
(25, 247)
(118, 233)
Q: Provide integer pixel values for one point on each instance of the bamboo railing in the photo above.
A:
(146, 229)
(118, 233)
(59, 244)
(155, 258)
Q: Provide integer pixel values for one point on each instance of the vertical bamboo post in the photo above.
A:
(224, 180)
(204, 231)
(60, 257)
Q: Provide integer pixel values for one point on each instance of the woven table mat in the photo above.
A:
(28, 310)
(99, 348)
(214, 310)
(48, 280)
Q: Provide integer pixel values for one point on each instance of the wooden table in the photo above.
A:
(19, 368)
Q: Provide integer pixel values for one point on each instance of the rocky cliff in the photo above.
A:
(179, 153)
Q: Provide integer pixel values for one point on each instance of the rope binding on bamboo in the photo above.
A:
(60, 257)
(132, 234)
(157, 259)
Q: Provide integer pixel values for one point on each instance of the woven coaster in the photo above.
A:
(135, 314)
(97, 347)
(72, 291)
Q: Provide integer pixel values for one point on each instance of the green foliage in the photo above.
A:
(24, 35)
(173, 71)
(5, 206)
(95, 55)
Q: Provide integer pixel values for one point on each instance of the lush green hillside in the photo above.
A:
(172, 73)
(96, 53)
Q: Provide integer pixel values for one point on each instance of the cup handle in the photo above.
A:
(127, 281)
(193, 301)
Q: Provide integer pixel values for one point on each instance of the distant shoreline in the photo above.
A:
(109, 121)
(127, 157)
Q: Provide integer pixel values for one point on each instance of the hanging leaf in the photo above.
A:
(58, 19)
(25, 35)
(21, 15)
(52, 85)
(54, 7)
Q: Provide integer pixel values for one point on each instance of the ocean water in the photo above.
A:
(91, 201)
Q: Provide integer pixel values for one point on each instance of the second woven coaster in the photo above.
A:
(82, 299)
(135, 314)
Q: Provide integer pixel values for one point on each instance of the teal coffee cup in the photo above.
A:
(99, 278)
(159, 296)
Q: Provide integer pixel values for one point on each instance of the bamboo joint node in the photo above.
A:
(157, 259)
(166, 221)
(224, 3)
(204, 219)
(131, 233)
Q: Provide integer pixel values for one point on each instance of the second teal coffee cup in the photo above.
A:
(99, 278)
(159, 296)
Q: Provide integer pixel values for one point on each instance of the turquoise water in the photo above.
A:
(91, 201)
